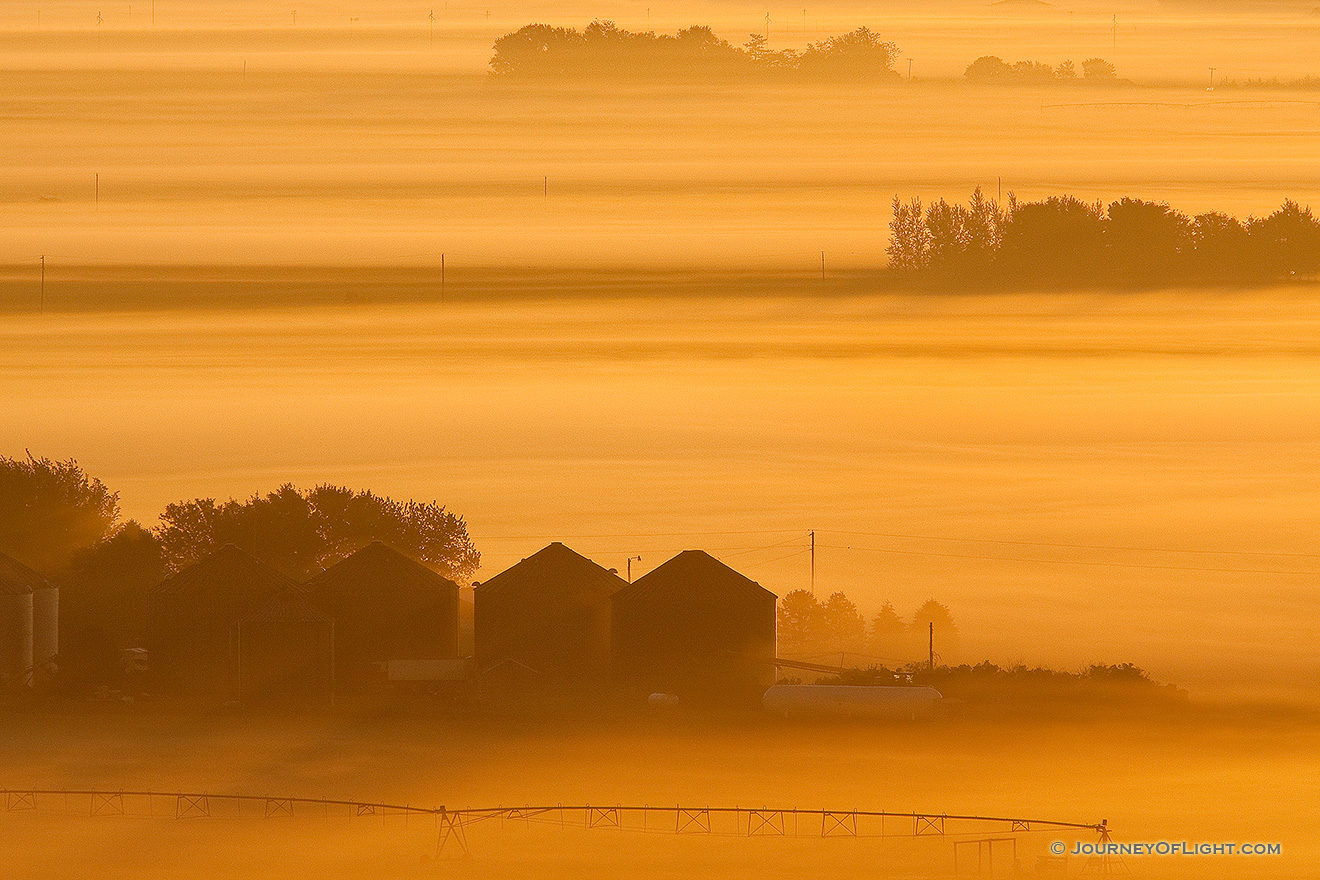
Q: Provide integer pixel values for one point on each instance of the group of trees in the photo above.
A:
(808, 626)
(65, 524)
(603, 50)
(993, 69)
(1064, 240)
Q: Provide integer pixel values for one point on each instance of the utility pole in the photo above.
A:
(932, 645)
(813, 562)
(632, 559)
(822, 265)
(98, 190)
(909, 61)
(43, 284)
(545, 187)
(1115, 37)
(442, 278)
(1212, 79)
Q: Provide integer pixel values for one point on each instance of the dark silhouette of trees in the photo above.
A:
(1286, 242)
(1149, 240)
(909, 237)
(602, 50)
(1066, 241)
(51, 509)
(302, 532)
(1098, 69)
(859, 54)
(995, 70)
(103, 603)
(1221, 247)
(887, 632)
(1057, 240)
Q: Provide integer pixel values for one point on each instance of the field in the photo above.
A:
(243, 247)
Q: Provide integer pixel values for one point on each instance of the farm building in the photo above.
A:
(394, 618)
(287, 653)
(194, 617)
(549, 618)
(695, 628)
(29, 622)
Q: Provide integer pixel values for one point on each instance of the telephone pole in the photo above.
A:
(813, 562)
(43, 284)
(932, 645)
(631, 560)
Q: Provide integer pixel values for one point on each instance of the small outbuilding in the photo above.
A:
(394, 618)
(697, 629)
(548, 616)
(194, 617)
(287, 653)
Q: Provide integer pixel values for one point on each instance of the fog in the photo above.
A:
(661, 324)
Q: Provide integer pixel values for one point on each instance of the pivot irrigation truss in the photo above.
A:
(451, 824)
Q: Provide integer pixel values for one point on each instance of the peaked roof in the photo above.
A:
(554, 569)
(228, 579)
(17, 579)
(288, 606)
(375, 567)
(693, 574)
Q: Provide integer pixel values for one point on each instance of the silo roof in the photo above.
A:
(378, 566)
(287, 606)
(229, 581)
(17, 579)
(549, 572)
(693, 574)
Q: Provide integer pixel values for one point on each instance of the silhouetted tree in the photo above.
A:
(887, 629)
(1221, 247)
(1287, 242)
(1059, 239)
(1098, 69)
(859, 54)
(909, 238)
(1147, 241)
(51, 509)
(989, 68)
(843, 627)
(303, 532)
(1066, 70)
(946, 633)
(105, 586)
(799, 618)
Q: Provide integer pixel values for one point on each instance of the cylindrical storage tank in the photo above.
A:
(16, 637)
(851, 701)
(45, 626)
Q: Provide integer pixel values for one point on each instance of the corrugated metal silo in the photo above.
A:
(45, 625)
(695, 628)
(546, 621)
(194, 616)
(387, 608)
(18, 583)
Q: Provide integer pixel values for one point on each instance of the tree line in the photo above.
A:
(993, 69)
(66, 524)
(807, 626)
(604, 51)
(1064, 240)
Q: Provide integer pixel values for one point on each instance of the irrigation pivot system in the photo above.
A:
(451, 824)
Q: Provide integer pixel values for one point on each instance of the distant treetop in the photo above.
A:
(604, 50)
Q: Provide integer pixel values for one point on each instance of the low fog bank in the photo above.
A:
(1140, 775)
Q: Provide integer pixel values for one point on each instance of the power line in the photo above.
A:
(1074, 546)
(1072, 561)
